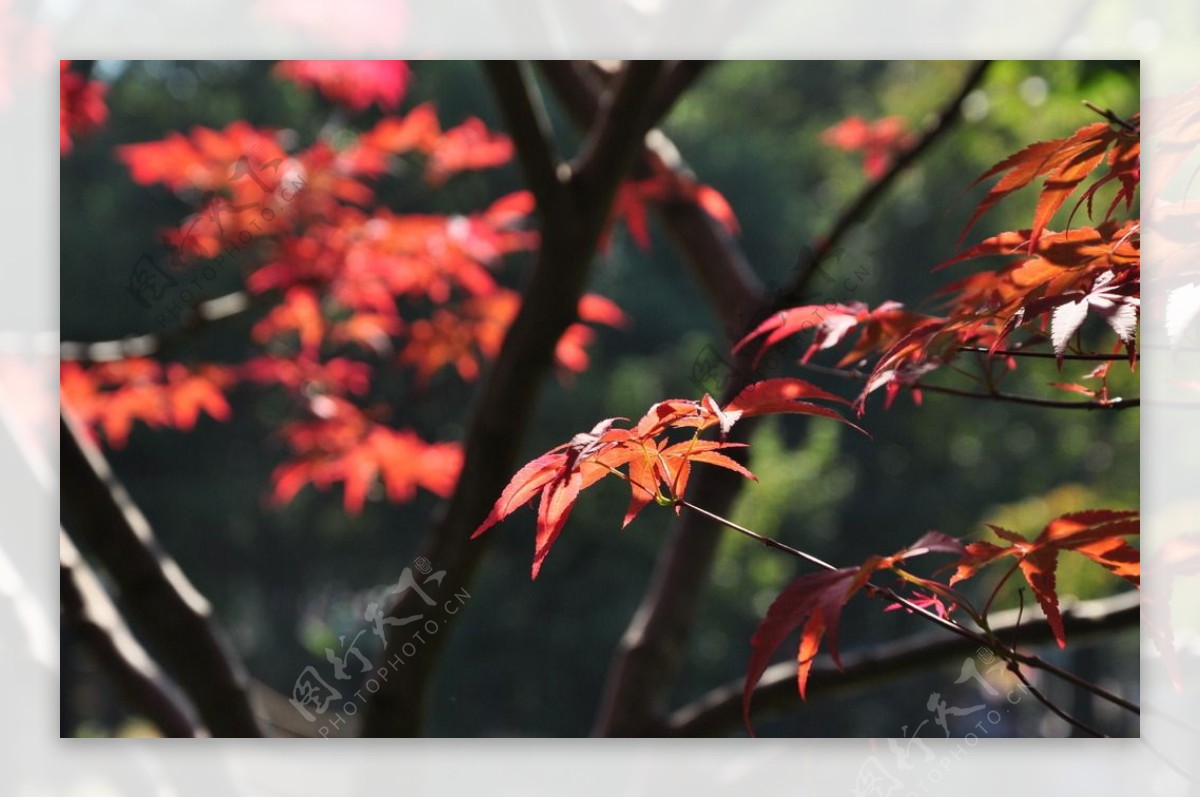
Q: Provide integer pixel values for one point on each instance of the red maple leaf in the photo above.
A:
(1098, 535)
(558, 476)
(665, 186)
(341, 443)
(831, 324)
(111, 397)
(814, 602)
(468, 146)
(656, 468)
(204, 159)
(1065, 163)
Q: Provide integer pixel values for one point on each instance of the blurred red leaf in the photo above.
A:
(81, 108)
(355, 84)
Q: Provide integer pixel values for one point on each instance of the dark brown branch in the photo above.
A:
(1111, 116)
(613, 146)
(509, 394)
(1087, 358)
(993, 396)
(88, 612)
(997, 396)
(654, 644)
(679, 78)
(869, 197)
(733, 289)
(169, 614)
(521, 103)
(575, 88)
(720, 710)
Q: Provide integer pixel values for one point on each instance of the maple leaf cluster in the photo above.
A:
(81, 108)
(110, 397)
(1050, 283)
(345, 285)
(1054, 280)
(655, 468)
(342, 443)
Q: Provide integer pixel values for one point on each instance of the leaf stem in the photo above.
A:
(763, 539)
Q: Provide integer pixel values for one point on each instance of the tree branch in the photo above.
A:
(720, 710)
(652, 648)
(521, 103)
(679, 77)
(1087, 358)
(733, 289)
(613, 145)
(171, 616)
(206, 313)
(997, 396)
(993, 396)
(857, 210)
(650, 652)
(88, 612)
(509, 394)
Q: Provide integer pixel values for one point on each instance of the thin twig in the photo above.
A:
(1016, 668)
(720, 709)
(1044, 355)
(1050, 705)
(609, 151)
(976, 637)
(677, 79)
(871, 586)
(1111, 116)
(763, 539)
(995, 396)
(523, 109)
(204, 314)
(873, 193)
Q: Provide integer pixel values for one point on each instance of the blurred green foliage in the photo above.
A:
(530, 658)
